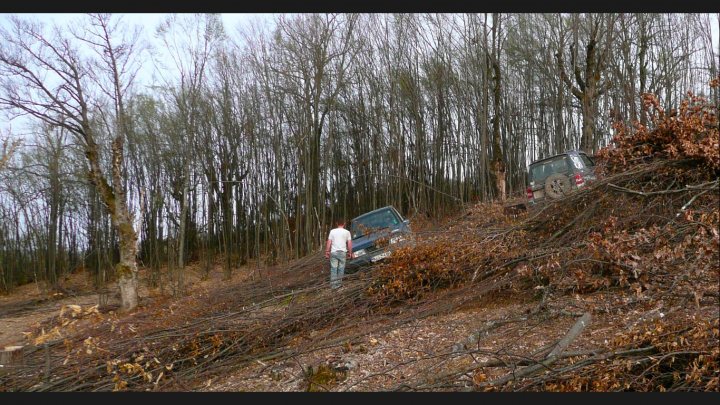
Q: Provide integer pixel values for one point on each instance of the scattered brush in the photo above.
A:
(645, 233)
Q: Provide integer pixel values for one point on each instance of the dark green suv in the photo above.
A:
(375, 234)
(558, 175)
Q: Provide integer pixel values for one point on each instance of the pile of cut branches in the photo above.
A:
(645, 234)
(644, 237)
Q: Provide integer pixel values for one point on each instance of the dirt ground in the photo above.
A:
(408, 354)
(385, 361)
(28, 306)
(414, 354)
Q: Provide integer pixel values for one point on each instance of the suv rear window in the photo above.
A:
(540, 171)
(588, 162)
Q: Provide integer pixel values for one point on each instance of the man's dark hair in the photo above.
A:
(339, 221)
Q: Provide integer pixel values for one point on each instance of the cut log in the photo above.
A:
(578, 327)
(555, 354)
(11, 356)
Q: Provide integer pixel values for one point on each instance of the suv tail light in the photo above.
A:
(579, 181)
(530, 194)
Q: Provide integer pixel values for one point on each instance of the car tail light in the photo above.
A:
(579, 181)
(529, 192)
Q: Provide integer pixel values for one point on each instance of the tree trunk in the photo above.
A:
(588, 125)
(179, 286)
(127, 237)
(11, 356)
(498, 165)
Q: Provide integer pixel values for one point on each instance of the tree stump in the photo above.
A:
(11, 356)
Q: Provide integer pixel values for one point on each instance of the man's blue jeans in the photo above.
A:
(337, 268)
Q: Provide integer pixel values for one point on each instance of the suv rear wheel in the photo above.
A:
(557, 186)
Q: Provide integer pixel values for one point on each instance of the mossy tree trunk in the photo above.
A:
(114, 198)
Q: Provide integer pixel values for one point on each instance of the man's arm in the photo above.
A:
(327, 249)
(350, 254)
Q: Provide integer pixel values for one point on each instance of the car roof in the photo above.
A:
(374, 211)
(569, 152)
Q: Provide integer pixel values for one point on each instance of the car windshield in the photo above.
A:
(540, 171)
(377, 220)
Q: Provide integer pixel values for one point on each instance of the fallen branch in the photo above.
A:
(689, 187)
(551, 358)
(484, 331)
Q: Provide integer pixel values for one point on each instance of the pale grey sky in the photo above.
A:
(150, 21)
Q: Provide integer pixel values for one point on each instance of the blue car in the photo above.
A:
(375, 234)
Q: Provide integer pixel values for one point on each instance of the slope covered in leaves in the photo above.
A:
(641, 243)
(645, 235)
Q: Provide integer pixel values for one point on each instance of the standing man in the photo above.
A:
(337, 249)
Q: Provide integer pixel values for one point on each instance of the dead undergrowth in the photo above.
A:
(614, 287)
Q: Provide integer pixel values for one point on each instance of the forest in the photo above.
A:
(249, 140)
(166, 191)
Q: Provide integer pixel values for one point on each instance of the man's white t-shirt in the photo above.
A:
(339, 238)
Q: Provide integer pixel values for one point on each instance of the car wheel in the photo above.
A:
(557, 186)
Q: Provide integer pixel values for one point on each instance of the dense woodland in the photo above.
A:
(249, 140)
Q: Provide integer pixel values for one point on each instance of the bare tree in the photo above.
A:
(246, 149)
(48, 78)
(597, 31)
(191, 41)
(316, 51)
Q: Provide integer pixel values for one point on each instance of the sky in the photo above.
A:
(231, 21)
(149, 21)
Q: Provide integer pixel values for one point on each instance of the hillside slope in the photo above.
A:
(614, 287)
